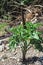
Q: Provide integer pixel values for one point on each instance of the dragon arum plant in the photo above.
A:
(29, 36)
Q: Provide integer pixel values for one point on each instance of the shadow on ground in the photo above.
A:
(32, 60)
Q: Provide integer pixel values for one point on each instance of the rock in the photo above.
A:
(18, 59)
(2, 60)
(7, 46)
(13, 58)
(1, 47)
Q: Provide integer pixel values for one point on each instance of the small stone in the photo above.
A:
(18, 59)
(2, 60)
(1, 47)
(7, 47)
(13, 58)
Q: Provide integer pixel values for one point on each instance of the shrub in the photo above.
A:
(29, 34)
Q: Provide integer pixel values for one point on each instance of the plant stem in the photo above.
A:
(24, 50)
(24, 56)
(23, 19)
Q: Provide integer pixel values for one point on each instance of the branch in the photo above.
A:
(28, 10)
(29, 47)
(38, 6)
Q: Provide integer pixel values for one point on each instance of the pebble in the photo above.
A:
(7, 46)
(13, 58)
(18, 59)
(1, 47)
(2, 60)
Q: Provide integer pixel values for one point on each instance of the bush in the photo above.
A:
(29, 34)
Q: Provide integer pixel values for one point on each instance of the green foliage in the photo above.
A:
(2, 26)
(22, 35)
(26, 1)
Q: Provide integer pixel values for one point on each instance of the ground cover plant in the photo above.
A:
(2, 28)
(26, 37)
(2, 25)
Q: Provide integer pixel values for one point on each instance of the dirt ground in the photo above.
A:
(33, 57)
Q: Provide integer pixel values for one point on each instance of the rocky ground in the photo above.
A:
(33, 57)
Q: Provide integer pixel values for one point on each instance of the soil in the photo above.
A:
(33, 57)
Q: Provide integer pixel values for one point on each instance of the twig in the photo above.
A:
(29, 47)
(28, 10)
(38, 6)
